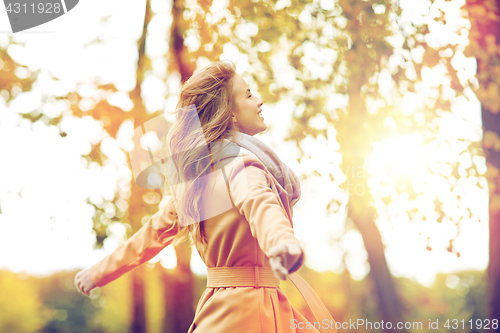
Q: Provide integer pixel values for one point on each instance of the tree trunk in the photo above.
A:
(356, 149)
(483, 24)
(138, 324)
(494, 265)
(182, 285)
(178, 292)
(136, 213)
(491, 122)
(179, 283)
(177, 48)
(390, 307)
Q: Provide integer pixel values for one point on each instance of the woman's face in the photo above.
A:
(246, 115)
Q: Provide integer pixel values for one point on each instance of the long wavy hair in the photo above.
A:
(206, 100)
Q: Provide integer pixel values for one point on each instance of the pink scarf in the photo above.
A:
(281, 172)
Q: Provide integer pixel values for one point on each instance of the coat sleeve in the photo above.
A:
(250, 189)
(145, 244)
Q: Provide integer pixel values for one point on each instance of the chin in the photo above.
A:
(253, 131)
(260, 129)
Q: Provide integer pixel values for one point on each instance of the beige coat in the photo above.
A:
(240, 227)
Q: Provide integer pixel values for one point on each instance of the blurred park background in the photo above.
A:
(388, 111)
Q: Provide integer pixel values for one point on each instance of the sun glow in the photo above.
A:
(398, 156)
(422, 204)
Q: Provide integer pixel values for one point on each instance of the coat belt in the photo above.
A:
(257, 277)
(241, 276)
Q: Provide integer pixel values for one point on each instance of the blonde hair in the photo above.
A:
(210, 91)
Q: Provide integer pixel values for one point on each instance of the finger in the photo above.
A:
(277, 250)
(294, 249)
(275, 262)
(279, 271)
(82, 288)
(275, 266)
(282, 274)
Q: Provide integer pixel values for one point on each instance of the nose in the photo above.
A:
(260, 102)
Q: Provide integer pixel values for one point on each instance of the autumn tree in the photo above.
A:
(128, 205)
(484, 37)
(328, 58)
(280, 38)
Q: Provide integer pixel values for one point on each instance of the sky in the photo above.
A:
(48, 226)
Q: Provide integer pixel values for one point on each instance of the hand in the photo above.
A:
(283, 257)
(83, 282)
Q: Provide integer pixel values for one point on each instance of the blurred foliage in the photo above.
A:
(350, 42)
(484, 45)
(452, 296)
(72, 312)
(51, 304)
(22, 307)
(14, 77)
(114, 303)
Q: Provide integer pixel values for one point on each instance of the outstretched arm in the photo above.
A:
(145, 244)
(250, 188)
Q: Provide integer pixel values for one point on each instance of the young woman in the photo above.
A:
(237, 207)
